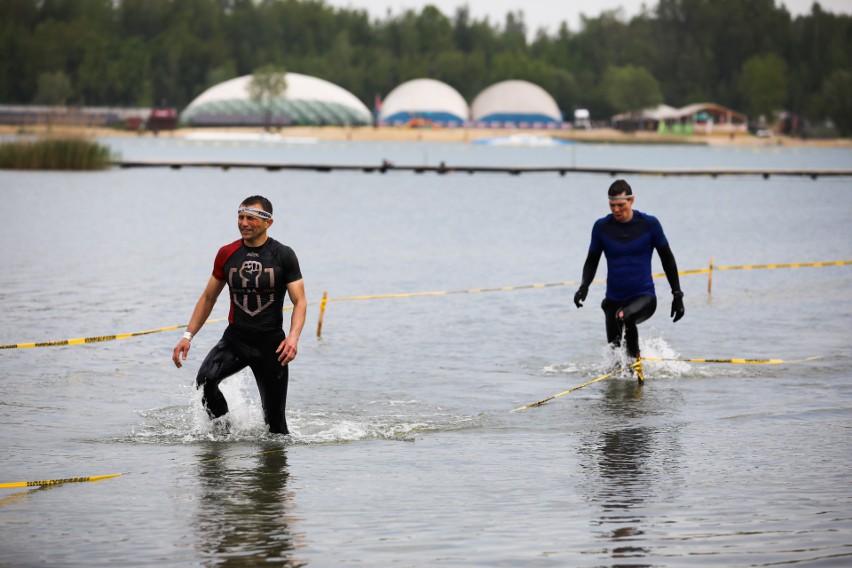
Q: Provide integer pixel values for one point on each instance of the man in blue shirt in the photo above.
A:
(628, 238)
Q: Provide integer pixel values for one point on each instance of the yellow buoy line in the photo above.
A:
(735, 361)
(44, 482)
(325, 300)
(638, 365)
(85, 340)
(578, 387)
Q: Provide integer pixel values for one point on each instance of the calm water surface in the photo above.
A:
(404, 450)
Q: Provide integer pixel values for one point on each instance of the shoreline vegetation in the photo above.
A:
(54, 153)
(405, 134)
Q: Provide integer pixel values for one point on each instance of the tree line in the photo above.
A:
(750, 55)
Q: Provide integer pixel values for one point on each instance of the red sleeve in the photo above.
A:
(222, 256)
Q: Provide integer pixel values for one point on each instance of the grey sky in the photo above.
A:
(549, 13)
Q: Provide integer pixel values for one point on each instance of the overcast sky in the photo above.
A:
(548, 13)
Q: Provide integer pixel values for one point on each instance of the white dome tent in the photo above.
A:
(515, 103)
(424, 101)
(308, 101)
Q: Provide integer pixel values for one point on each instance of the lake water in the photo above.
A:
(403, 450)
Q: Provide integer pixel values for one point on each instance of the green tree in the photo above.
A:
(837, 97)
(227, 70)
(17, 75)
(138, 52)
(435, 30)
(515, 32)
(268, 83)
(763, 84)
(630, 88)
(54, 88)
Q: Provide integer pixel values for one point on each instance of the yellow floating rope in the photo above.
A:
(638, 365)
(97, 339)
(84, 340)
(44, 482)
(734, 361)
(785, 265)
(448, 292)
(563, 393)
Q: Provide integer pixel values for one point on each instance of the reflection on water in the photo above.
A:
(628, 464)
(622, 491)
(246, 512)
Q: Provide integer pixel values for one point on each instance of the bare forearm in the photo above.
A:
(288, 348)
(205, 305)
(297, 319)
(200, 314)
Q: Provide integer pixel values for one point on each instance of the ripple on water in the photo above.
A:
(378, 420)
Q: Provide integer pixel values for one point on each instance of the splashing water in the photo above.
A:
(376, 420)
(651, 345)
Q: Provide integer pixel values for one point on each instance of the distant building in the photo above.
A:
(31, 115)
(515, 104)
(582, 118)
(160, 118)
(699, 118)
(308, 101)
(424, 102)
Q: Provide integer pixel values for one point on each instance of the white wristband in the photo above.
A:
(188, 336)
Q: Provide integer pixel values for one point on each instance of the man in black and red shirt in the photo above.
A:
(259, 272)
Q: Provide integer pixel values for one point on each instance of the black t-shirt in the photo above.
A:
(257, 279)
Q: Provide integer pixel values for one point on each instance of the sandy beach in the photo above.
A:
(405, 134)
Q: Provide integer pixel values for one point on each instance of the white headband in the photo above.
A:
(620, 197)
(256, 212)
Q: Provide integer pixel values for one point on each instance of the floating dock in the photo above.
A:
(443, 169)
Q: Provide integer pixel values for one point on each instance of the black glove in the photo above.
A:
(580, 296)
(677, 305)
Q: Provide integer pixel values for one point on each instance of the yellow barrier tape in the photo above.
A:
(57, 481)
(563, 393)
(97, 339)
(448, 292)
(785, 265)
(85, 340)
(735, 361)
(757, 266)
(638, 365)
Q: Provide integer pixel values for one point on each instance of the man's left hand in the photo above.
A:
(677, 306)
(287, 351)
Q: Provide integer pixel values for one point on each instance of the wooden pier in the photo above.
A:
(443, 169)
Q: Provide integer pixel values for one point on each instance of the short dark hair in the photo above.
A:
(264, 203)
(618, 187)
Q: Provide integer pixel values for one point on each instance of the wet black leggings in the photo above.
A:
(636, 310)
(231, 355)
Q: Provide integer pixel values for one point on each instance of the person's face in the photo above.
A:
(621, 207)
(250, 226)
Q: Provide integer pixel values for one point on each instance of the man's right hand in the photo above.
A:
(580, 296)
(180, 351)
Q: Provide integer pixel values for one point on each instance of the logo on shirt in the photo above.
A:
(255, 290)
